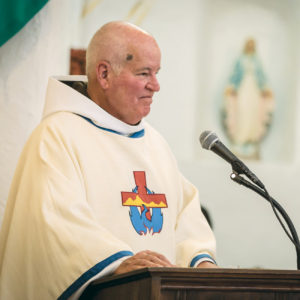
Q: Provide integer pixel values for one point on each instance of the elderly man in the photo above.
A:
(97, 190)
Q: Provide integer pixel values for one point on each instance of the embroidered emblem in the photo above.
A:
(145, 206)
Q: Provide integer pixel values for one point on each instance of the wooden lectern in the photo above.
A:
(194, 284)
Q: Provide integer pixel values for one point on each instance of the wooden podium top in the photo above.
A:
(191, 283)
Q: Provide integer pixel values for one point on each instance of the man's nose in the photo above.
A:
(153, 84)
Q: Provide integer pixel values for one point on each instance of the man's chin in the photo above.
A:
(142, 115)
(147, 110)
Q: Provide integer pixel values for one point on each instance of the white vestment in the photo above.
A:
(83, 182)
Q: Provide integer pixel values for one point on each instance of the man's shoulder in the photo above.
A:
(55, 125)
(55, 132)
(62, 120)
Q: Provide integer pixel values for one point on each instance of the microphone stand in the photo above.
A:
(295, 240)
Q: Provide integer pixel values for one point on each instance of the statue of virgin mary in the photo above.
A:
(248, 104)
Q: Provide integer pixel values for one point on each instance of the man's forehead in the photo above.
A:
(129, 57)
(143, 45)
(141, 57)
(145, 64)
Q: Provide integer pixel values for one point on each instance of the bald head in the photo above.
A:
(122, 65)
(115, 42)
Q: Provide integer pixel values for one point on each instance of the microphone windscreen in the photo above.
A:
(207, 139)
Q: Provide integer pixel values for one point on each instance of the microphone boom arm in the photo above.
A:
(210, 141)
(295, 240)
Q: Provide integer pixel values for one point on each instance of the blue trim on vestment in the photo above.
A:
(200, 256)
(91, 273)
(134, 135)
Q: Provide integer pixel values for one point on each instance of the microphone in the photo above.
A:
(210, 141)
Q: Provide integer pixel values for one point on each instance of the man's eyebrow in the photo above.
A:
(146, 69)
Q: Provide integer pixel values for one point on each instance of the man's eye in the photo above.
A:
(143, 74)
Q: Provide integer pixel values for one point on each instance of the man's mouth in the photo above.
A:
(147, 97)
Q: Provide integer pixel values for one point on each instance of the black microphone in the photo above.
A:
(210, 141)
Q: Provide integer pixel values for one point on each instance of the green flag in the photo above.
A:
(14, 14)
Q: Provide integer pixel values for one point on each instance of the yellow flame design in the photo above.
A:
(139, 202)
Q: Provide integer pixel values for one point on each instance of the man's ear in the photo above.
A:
(103, 72)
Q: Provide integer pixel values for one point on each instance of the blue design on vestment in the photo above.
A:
(91, 273)
(142, 224)
(134, 135)
(200, 256)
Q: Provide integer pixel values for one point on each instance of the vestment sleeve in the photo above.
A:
(54, 237)
(195, 241)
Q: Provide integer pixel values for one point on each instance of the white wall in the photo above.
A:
(197, 39)
(39, 50)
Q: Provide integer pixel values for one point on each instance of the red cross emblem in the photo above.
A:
(149, 218)
(143, 196)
